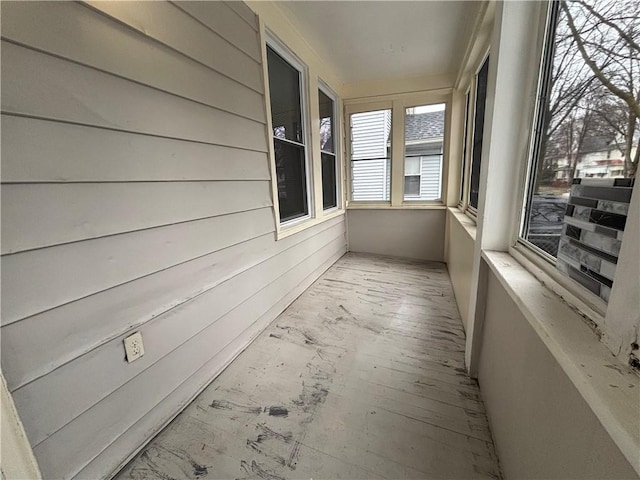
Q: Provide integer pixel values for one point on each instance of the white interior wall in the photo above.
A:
(460, 242)
(541, 424)
(559, 404)
(417, 234)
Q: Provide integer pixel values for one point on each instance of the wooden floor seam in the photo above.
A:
(360, 377)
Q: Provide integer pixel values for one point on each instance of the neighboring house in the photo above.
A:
(600, 158)
(370, 150)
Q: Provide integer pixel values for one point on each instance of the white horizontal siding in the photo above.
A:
(135, 198)
(118, 49)
(370, 172)
(36, 150)
(370, 180)
(168, 24)
(40, 85)
(431, 177)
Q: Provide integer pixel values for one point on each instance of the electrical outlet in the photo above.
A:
(133, 347)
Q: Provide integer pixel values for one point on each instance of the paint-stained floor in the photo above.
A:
(361, 377)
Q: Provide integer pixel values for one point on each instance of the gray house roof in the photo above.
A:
(424, 125)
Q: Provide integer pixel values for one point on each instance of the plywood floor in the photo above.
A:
(361, 377)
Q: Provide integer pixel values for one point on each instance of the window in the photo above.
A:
(289, 136)
(478, 131)
(423, 141)
(328, 151)
(463, 169)
(371, 155)
(586, 143)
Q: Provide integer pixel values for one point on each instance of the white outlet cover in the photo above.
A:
(133, 347)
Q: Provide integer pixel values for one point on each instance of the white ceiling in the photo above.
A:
(371, 40)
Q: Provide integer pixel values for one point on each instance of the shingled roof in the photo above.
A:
(421, 126)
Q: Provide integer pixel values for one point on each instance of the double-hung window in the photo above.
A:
(478, 131)
(396, 149)
(465, 132)
(585, 144)
(328, 149)
(423, 149)
(286, 88)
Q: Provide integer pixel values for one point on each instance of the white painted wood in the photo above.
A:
(38, 280)
(43, 215)
(549, 412)
(171, 26)
(49, 407)
(17, 456)
(36, 150)
(131, 402)
(460, 262)
(127, 448)
(123, 127)
(243, 11)
(44, 86)
(58, 336)
(415, 234)
(83, 35)
(304, 366)
(223, 20)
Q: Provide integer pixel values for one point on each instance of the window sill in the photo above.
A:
(609, 387)
(387, 206)
(465, 221)
(288, 230)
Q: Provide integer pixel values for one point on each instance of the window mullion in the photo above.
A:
(397, 154)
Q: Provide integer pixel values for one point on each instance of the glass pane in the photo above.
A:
(423, 139)
(464, 145)
(326, 122)
(284, 88)
(589, 146)
(329, 197)
(478, 131)
(371, 155)
(411, 166)
(412, 185)
(292, 186)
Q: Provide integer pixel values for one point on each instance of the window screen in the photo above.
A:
(478, 131)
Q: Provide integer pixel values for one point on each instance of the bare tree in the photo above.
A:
(607, 36)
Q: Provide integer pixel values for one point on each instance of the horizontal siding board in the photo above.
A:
(38, 280)
(124, 448)
(171, 26)
(40, 85)
(60, 335)
(81, 441)
(43, 215)
(35, 150)
(245, 12)
(81, 34)
(221, 18)
(47, 407)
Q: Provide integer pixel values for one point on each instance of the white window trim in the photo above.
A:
(309, 84)
(473, 86)
(463, 183)
(337, 144)
(398, 104)
(538, 262)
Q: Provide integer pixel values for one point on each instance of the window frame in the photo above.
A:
(445, 133)
(273, 42)
(536, 260)
(337, 144)
(464, 160)
(473, 86)
(398, 105)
